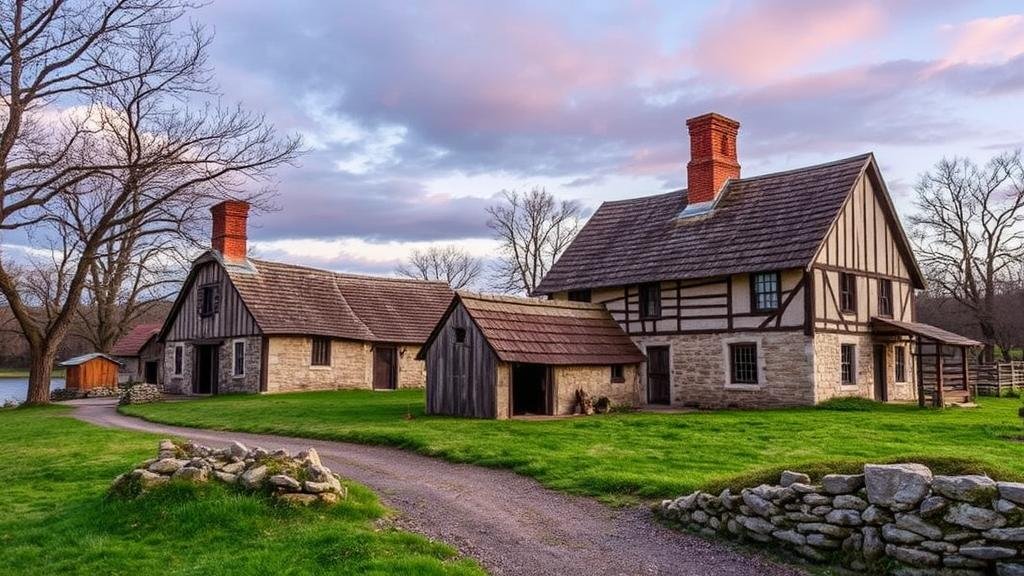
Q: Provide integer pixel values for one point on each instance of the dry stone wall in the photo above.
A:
(893, 518)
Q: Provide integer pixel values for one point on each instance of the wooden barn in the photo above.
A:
(90, 371)
(500, 356)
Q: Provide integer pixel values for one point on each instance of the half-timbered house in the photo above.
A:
(245, 325)
(782, 289)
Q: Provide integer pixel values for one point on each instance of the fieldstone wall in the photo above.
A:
(700, 375)
(300, 479)
(895, 518)
(177, 383)
(596, 381)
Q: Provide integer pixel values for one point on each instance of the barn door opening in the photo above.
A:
(659, 377)
(149, 371)
(385, 368)
(204, 381)
(530, 387)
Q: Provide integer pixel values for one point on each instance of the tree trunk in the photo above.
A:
(39, 373)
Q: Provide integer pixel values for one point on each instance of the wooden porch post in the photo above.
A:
(939, 400)
(920, 372)
(966, 372)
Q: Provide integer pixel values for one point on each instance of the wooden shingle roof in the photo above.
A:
(548, 331)
(132, 343)
(768, 222)
(290, 299)
(883, 325)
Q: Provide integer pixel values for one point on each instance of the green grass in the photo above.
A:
(55, 517)
(623, 457)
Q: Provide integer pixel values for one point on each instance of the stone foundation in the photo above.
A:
(596, 381)
(895, 518)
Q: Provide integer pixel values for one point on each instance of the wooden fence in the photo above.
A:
(994, 379)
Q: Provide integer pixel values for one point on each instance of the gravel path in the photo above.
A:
(509, 523)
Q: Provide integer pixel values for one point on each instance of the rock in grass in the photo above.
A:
(253, 477)
(148, 479)
(238, 450)
(225, 477)
(191, 474)
(1012, 491)
(285, 481)
(167, 466)
(298, 498)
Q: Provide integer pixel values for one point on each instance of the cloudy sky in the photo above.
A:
(417, 114)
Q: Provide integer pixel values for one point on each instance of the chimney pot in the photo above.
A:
(713, 157)
(230, 220)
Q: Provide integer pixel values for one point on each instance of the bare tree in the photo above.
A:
(101, 141)
(534, 229)
(969, 232)
(449, 263)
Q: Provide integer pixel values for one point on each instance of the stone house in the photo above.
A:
(774, 290)
(140, 353)
(245, 325)
(502, 356)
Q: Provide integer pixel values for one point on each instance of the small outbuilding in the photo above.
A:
(499, 357)
(139, 352)
(90, 371)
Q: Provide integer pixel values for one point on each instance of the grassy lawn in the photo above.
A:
(625, 456)
(23, 373)
(55, 519)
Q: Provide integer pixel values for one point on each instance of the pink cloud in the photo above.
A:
(760, 42)
(986, 39)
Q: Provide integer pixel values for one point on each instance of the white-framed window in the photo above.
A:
(848, 364)
(238, 358)
(179, 358)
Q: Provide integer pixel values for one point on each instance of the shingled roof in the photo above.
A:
(131, 344)
(548, 331)
(768, 222)
(298, 300)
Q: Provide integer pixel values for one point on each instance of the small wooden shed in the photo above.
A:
(90, 371)
(500, 356)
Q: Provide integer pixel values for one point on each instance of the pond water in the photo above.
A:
(17, 388)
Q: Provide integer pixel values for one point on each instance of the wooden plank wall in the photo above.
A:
(96, 373)
(231, 320)
(712, 305)
(461, 378)
(862, 241)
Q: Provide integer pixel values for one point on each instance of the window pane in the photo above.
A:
(901, 364)
(579, 295)
(239, 358)
(650, 300)
(849, 367)
(744, 363)
(766, 290)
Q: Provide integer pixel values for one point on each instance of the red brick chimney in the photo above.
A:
(712, 156)
(230, 218)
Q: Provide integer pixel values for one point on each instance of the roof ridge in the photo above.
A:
(863, 156)
(346, 274)
(528, 301)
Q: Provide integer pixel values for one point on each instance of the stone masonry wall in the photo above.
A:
(289, 369)
(177, 383)
(828, 372)
(596, 380)
(249, 381)
(503, 377)
(700, 369)
(893, 519)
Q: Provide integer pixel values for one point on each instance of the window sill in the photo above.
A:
(318, 367)
(735, 386)
(618, 380)
(853, 386)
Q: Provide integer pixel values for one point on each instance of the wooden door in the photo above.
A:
(881, 370)
(659, 377)
(385, 368)
(150, 371)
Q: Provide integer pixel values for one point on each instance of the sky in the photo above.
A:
(417, 114)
